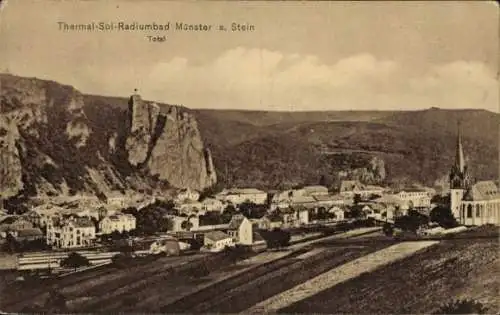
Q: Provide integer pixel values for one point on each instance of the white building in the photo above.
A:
(216, 241)
(415, 198)
(472, 204)
(189, 206)
(118, 222)
(480, 204)
(338, 212)
(241, 230)
(350, 188)
(212, 204)
(237, 196)
(315, 190)
(70, 233)
(187, 195)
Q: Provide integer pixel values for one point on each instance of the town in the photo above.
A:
(61, 237)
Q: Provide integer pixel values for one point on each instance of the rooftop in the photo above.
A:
(483, 190)
(236, 221)
(216, 236)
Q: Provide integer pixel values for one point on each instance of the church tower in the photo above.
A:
(460, 179)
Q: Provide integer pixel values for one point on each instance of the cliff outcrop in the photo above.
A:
(168, 145)
(55, 140)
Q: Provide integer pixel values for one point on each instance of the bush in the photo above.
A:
(464, 306)
(75, 260)
(442, 215)
(388, 229)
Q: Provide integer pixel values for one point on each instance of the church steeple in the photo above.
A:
(459, 175)
(459, 155)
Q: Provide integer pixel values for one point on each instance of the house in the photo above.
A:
(168, 245)
(29, 234)
(189, 206)
(34, 217)
(262, 223)
(87, 213)
(328, 200)
(275, 222)
(415, 197)
(118, 222)
(12, 225)
(315, 191)
(117, 201)
(212, 204)
(187, 195)
(237, 196)
(350, 188)
(304, 201)
(241, 230)
(70, 233)
(303, 216)
(216, 241)
(338, 212)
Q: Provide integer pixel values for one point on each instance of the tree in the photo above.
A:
(75, 260)
(12, 245)
(388, 229)
(462, 307)
(187, 225)
(252, 210)
(228, 213)
(442, 215)
(411, 222)
(356, 199)
(323, 181)
(276, 238)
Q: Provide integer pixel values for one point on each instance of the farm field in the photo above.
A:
(88, 285)
(258, 285)
(459, 268)
(168, 290)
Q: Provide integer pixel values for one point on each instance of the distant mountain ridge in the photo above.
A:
(301, 147)
(59, 140)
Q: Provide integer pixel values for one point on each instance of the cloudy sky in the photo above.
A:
(301, 56)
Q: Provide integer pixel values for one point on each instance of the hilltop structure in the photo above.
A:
(472, 203)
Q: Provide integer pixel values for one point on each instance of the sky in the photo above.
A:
(300, 55)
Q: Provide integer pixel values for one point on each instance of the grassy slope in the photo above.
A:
(418, 284)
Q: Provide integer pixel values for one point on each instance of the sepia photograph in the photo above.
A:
(249, 157)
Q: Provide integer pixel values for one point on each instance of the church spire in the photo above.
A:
(459, 155)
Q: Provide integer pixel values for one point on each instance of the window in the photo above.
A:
(478, 211)
(469, 211)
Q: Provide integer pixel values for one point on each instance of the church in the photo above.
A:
(472, 203)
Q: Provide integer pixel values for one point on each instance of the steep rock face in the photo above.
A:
(373, 173)
(142, 123)
(56, 141)
(10, 162)
(168, 145)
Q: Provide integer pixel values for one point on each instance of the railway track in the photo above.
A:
(137, 273)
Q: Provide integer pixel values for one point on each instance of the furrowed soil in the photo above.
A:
(459, 268)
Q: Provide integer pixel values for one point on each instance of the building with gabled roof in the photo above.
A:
(217, 241)
(71, 232)
(241, 229)
(472, 203)
(237, 196)
(119, 222)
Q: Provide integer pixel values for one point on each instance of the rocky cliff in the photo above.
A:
(168, 145)
(54, 140)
